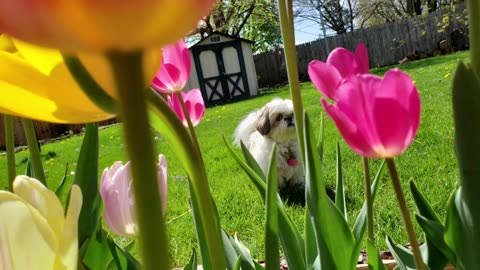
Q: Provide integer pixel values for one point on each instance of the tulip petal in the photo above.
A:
(196, 105)
(343, 60)
(68, 251)
(101, 25)
(167, 79)
(28, 93)
(174, 71)
(26, 240)
(396, 112)
(117, 195)
(42, 199)
(325, 77)
(174, 103)
(349, 130)
(178, 54)
(361, 59)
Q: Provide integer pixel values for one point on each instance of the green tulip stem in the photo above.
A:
(474, 31)
(34, 150)
(286, 24)
(368, 198)
(405, 213)
(10, 147)
(130, 85)
(189, 122)
(206, 222)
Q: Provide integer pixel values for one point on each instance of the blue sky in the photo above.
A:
(306, 31)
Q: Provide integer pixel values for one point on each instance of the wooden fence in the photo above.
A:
(44, 130)
(387, 45)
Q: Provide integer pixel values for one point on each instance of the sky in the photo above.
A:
(306, 31)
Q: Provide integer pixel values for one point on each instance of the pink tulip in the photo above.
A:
(340, 64)
(378, 118)
(116, 191)
(174, 70)
(194, 104)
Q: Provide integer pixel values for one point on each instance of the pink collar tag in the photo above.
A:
(292, 162)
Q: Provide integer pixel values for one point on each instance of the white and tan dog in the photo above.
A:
(274, 123)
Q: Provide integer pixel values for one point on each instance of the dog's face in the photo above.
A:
(276, 121)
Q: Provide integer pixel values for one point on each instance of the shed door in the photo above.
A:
(221, 72)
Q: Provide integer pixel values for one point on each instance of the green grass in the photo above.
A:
(430, 161)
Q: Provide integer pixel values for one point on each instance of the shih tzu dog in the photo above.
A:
(275, 123)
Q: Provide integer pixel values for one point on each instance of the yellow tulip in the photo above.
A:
(34, 233)
(101, 25)
(35, 83)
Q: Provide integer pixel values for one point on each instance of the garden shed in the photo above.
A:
(223, 69)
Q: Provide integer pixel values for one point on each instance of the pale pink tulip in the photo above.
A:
(174, 70)
(341, 63)
(193, 103)
(117, 194)
(378, 118)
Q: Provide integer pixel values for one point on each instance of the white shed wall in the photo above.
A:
(250, 68)
(231, 63)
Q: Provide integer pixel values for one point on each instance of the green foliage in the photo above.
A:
(375, 261)
(429, 161)
(86, 178)
(463, 219)
(256, 20)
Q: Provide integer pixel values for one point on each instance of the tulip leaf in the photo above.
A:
(335, 241)
(374, 260)
(238, 263)
(437, 251)
(361, 222)
(60, 188)
(237, 250)
(97, 253)
(438, 254)
(458, 230)
(423, 206)
(200, 230)
(320, 144)
(251, 161)
(463, 218)
(258, 266)
(311, 250)
(88, 84)
(207, 225)
(102, 253)
(231, 255)
(121, 258)
(34, 150)
(271, 209)
(86, 175)
(340, 191)
(403, 256)
(28, 169)
(292, 242)
(192, 264)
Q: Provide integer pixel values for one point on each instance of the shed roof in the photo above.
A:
(225, 35)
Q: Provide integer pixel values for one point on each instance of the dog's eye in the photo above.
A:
(279, 117)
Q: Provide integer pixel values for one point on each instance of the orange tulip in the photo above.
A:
(100, 25)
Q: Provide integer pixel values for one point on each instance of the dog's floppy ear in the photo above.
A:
(263, 121)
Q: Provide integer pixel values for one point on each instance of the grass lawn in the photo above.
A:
(430, 161)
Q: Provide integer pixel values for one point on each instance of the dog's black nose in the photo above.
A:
(289, 120)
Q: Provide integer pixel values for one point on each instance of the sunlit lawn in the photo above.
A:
(430, 161)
